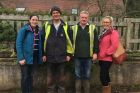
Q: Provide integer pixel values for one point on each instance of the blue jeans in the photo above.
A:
(83, 68)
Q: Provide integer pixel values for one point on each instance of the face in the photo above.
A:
(56, 15)
(83, 19)
(106, 23)
(34, 21)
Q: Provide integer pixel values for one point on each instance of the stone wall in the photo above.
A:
(127, 74)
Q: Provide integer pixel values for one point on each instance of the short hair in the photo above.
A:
(84, 12)
(55, 8)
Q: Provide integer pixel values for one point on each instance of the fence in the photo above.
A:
(129, 28)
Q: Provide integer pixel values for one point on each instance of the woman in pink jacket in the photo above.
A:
(108, 42)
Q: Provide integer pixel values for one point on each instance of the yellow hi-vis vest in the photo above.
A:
(47, 31)
(91, 33)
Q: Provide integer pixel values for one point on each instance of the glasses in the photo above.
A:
(106, 22)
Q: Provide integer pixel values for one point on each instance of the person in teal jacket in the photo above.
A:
(29, 51)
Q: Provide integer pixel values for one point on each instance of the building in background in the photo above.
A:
(95, 7)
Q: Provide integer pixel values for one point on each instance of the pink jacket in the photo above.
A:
(107, 45)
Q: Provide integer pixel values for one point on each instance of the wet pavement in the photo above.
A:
(71, 90)
(15, 91)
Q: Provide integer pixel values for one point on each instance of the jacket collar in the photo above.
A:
(50, 22)
(29, 27)
(86, 24)
(105, 32)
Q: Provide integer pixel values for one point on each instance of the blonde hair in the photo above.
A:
(108, 17)
(84, 12)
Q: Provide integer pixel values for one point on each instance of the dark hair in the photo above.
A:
(55, 8)
(33, 15)
(36, 28)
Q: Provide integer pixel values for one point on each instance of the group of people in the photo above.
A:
(57, 43)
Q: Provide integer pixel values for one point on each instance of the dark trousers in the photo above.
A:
(104, 72)
(27, 71)
(56, 77)
(26, 78)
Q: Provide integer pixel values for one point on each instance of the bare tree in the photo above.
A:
(100, 3)
(125, 7)
(106, 7)
(132, 8)
(90, 3)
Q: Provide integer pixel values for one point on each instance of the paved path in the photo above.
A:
(67, 92)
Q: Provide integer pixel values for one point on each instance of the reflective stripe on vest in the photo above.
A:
(91, 33)
(69, 44)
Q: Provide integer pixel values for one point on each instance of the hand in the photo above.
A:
(68, 58)
(94, 57)
(22, 62)
(44, 58)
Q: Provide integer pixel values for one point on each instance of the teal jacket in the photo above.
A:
(24, 45)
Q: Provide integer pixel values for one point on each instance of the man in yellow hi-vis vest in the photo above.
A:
(57, 50)
(85, 44)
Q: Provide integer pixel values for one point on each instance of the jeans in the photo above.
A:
(26, 78)
(56, 77)
(104, 72)
(83, 68)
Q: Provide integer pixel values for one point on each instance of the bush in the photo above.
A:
(7, 33)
